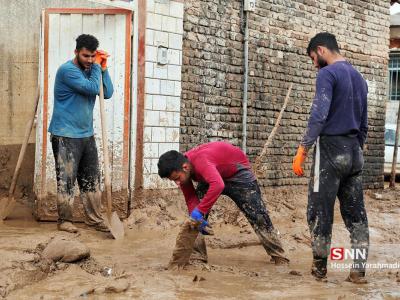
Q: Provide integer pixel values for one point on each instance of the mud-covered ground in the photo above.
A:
(238, 267)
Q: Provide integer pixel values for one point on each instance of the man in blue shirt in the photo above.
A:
(76, 86)
(338, 125)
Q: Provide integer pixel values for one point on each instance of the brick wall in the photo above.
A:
(164, 28)
(279, 34)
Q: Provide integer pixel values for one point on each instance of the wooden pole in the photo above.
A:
(7, 206)
(273, 132)
(106, 157)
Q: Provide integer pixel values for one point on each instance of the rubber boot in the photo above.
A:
(67, 226)
(272, 244)
(318, 269)
(357, 277)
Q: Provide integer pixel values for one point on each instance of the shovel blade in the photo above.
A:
(6, 207)
(115, 225)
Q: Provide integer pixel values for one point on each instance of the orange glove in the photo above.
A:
(98, 58)
(101, 59)
(298, 161)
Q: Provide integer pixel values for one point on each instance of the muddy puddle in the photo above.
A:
(238, 267)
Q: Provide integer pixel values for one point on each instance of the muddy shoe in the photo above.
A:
(357, 277)
(101, 227)
(279, 261)
(318, 275)
(319, 270)
(67, 226)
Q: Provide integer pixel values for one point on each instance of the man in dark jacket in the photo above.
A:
(338, 126)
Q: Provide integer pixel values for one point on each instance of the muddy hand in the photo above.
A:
(197, 219)
(206, 229)
(198, 222)
(203, 227)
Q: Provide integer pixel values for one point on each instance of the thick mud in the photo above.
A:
(238, 266)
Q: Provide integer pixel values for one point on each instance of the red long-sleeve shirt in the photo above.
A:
(212, 163)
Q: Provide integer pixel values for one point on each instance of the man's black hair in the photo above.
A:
(87, 41)
(169, 162)
(324, 39)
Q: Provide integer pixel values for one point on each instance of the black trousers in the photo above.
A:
(337, 171)
(76, 159)
(247, 197)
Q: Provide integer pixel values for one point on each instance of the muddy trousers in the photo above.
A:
(336, 171)
(76, 160)
(247, 197)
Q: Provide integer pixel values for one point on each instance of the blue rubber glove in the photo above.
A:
(197, 217)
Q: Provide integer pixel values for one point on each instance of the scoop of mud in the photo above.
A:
(65, 249)
(54, 258)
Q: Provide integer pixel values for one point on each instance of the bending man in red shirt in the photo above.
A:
(221, 168)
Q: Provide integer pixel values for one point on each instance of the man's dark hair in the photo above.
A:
(87, 41)
(324, 39)
(169, 162)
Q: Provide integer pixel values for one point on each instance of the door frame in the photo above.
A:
(127, 85)
(130, 98)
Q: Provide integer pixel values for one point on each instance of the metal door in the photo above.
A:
(60, 27)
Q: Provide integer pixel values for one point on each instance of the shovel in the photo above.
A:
(111, 219)
(185, 243)
(7, 204)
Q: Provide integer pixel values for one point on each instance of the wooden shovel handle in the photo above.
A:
(28, 131)
(107, 180)
(272, 134)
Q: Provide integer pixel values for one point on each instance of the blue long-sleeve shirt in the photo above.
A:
(75, 94)
(340, 104)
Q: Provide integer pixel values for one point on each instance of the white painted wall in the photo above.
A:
(392, 108)
(164, 27)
